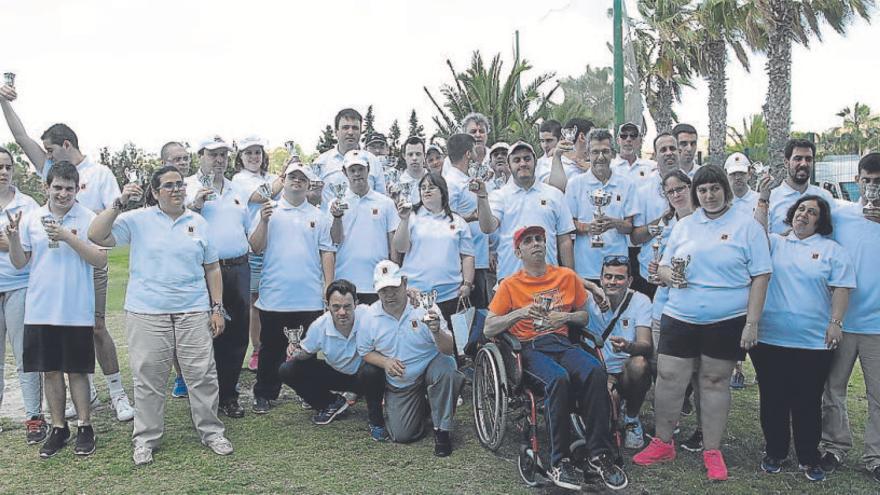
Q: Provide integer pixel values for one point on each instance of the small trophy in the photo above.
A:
(427, 300)
(499, 181)
(600, 199)
(392, 176)
(545, 303)
(294, 336)
(208, 182)
(265, 192)
(339, 189)
(389, 163)
(290, 146)
(134, 177)
(569, 134)
(477, 171)
(9, 79)
(762, 171)
(657, 232)
(317, 169)
(405, 190)
(48, 220)
(872, 195)
(679, 266)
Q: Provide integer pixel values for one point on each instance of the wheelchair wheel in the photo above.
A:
(527, 466)
(490, 396)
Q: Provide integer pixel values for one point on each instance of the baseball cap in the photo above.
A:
(302, 168)
(500, 145)
(252, 140)
(520, 144)
(355, 157)
(386, 274)
(376, 137)
(736, 162)
(522, 232)
(629, 125)
(211, 143)
(434, 147)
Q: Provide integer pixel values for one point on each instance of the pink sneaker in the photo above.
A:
(255, 359)
(656, 451)
(715, 467)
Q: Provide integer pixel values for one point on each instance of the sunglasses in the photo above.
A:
(617, 260)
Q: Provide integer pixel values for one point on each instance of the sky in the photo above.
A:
(150, 72)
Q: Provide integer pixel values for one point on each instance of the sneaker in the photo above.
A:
(829, 462)
(656, 451)
(56, 441)
(261, 405)
(220, 445)
(180, 390)
(875, 473)
(328, 414)
(70, 412)
(687, 407)
(737, 380)
(379, 433)
(350, 397)
(613, 475)
(715, 468)
(813, 473)
(37, 429)
(564, 475)
(635, 436)
(442, 443)
(695, 442)
(85, 440)
(254, 361)
(142, 455)
(771, 465)
(232, 409)
(124, 411)
(306, 406)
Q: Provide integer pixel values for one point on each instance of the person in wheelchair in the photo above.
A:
(562, 371)
(625, 328)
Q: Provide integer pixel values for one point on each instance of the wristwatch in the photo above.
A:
(837, 322)
(217, 308)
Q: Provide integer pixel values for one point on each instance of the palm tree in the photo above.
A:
(859, 129)
(751, 139)
(589, 95)
(788, 21)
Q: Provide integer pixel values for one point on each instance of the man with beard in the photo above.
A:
(686, 140)
(629, 161)
(737, 167)
(799, 159)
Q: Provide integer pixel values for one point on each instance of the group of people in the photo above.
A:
(677, 270)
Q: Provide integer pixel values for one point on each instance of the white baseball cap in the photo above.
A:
(736, 162)
(386, 274)
(355, 157)
(500, 145)
(520, 144)
(211, 143)
(302, 168)
(252, 140)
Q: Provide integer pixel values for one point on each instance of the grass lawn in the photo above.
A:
(284, 452)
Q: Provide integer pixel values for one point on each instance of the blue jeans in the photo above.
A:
(569, 376)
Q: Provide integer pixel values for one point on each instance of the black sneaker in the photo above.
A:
(829, 462)
(85, 440)
(613, 475)
(813, 473)
(442, 443)
(694, 443)
(37, 429)
(875, 473)
(328, 414)
(261, 405)
(771, 465)
(564, 475)
(56, 441)
(232, 409)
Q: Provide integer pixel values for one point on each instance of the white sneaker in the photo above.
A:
(220, 445)
(70, 412)
(142, 455)
(124, 411)
(635, 436)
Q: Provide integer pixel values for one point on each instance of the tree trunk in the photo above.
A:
(777, 109)
(716, 77)
(662, 113)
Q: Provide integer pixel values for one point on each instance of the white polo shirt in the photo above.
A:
(227, 218)
(98, 188)
(331, 172)
(638, 172)
(366, 225)
(725, 254)
(61, 288)
(408, 339)
(637, 314)
(652, 205)
(464, 202)
(746, 204)
(166, 262)
(11, 278)
(434, 257)
(781, 199)
(545, 165)
(693, 170)
(515, 207)
(293, 277)
(340, 352)
(247, 184)
(587, 259)
(860, 238)
(798, 304)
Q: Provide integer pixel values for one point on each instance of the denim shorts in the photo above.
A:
(256, 263)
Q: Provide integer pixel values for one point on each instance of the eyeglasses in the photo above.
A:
(428, 188)
(615, 260)
(628, 135)
(675, 191)
(173, 186)
(606, 152)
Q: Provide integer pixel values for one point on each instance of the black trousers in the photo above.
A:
(480, 294)
(313, 380)
(231, 346)
(273, 350)
(791, 382)
(639, 284)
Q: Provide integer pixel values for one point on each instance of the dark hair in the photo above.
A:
(870, 163)
(823, 225)
(601, 135)
(63, 170)
(347, 113)
(151, 199)
(710, 174)
(163, 153)
(440, 182)
(583, 126)
(4, 151)
(58, 133)
(458, 145)
(682, 129)
(663, 134)
(798, 143)
(264, 166)
(680, 175)
(615, 261)
(343, 287)
(411, 141)
(553, 127)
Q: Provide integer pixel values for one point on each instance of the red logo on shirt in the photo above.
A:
(543, 202)
(236, 201)
(618, 198)
(815, 256)
(73, 231)
(624, 322)
(642, 173)
(452, 227)
(415, 324)
(82, 187)
(724, 237)
(191, 229)
(375, 211)
(312, 224)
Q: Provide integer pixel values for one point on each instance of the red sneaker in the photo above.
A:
(656, 451)
(715, 467)
(255, 359)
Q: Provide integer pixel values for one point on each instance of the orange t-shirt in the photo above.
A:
(518, 290)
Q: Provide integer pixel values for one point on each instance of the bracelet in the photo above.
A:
(469, 285)
(218, 309)
(835, 321)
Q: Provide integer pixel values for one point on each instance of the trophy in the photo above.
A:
(9, 79)
(392, 176)
(872, 195)
(405, 190)
(339, 189)
(208, 182)
(762, 171)
(569, 134)
(290, 146)
(134, 177)
(499, 181)
(294, 336)
(48, 220)
(679, 266)
(265, 192)
(477, 171)
(317, 169)
(545, 303)
(389, 162)
(656, 232)
(427, 300)
(600, 199)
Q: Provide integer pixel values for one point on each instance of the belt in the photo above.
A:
(234, 261)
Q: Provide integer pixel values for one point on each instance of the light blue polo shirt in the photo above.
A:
(61, 287)
(745, 205)
(798, 304)
(652, 205)
(464, 202)
(293, 279)
(408, 339)
(860, 238)
(366, 225)
(11, 278)
(331, 172)
(725, 254)
(637, 314)
(661, 297)
(639, 172)
(247, 184)
(167, 258)
(515, 207)
(340, 352)
(227, 218)
(587, 259)
(781, 199)
(434, 257)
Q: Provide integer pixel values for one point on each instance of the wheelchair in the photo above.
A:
(501, 395)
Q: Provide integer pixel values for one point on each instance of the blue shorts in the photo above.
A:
(256, 263)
